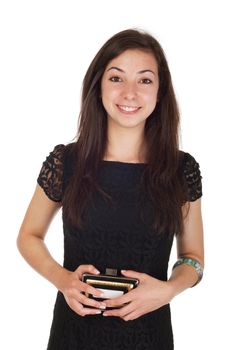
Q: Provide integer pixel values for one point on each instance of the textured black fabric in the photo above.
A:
(116, 236)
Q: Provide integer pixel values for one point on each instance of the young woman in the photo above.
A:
(126, 190)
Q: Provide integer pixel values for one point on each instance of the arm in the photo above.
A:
(31, 245)
(152, 293)
(189, 244)
(31, 236)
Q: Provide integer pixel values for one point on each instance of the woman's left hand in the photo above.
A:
(150, 295)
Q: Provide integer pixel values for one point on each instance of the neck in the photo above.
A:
(125, 145)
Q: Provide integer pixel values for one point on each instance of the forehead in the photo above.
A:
(134, 58)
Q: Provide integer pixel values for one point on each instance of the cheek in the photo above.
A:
(109, 95)
(151, 99)
(104, 96)
(104, 102)
(106, 99)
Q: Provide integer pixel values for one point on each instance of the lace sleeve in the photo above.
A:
(193, 178)
(51, 174)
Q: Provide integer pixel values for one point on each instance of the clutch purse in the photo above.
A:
(111, 284)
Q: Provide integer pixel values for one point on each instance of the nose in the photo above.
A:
(129, 91)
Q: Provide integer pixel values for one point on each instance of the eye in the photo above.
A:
(115, 79)
(146, 81)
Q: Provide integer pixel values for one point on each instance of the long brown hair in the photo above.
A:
(161, 179)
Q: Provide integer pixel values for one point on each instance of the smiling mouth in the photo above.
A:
(128, 108)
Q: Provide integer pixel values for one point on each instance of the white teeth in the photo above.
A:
(128, 108)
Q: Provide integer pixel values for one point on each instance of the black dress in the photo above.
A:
(116, 238)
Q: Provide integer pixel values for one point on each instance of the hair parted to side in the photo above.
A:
(161, 179)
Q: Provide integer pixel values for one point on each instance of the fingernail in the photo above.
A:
(104, 314)
(123, 271)
(98, 312)
(96, 271)
(102, 307)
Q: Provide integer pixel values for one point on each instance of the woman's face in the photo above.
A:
(129, 88)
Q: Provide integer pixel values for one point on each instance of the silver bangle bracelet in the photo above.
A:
(191, 262)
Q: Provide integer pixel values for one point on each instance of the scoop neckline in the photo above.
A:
(117, 162)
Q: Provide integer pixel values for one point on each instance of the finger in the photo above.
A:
(75, 294)
(122, 312)
(86, 268)
(91, 311)
(81, 310)
(131, 316)
(87, 289)
(124, 299)
(132, 274)
(91, 302)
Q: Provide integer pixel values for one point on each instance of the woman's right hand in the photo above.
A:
(74, 291)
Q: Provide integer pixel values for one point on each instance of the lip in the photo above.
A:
(128, 109)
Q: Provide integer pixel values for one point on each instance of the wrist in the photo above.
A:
(171, 289)
(59, 276)
(193, 263)
(182, 277)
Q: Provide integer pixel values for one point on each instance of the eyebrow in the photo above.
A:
(139, 72)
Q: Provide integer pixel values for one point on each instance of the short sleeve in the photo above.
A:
(192, 176)
(51, 174)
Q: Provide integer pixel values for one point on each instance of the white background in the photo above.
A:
(46, 47)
